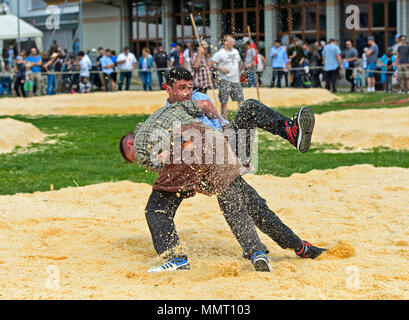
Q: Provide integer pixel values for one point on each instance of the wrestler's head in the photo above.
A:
(179, 85)
(126, 148)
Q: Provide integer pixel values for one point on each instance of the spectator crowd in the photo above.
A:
(295, 65)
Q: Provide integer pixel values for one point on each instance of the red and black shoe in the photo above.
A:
(307, 250)
(299, 131)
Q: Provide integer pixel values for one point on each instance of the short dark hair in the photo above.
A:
(107, 50)
(278, 40)
(121, 147)
(81, 54)
(176, 74)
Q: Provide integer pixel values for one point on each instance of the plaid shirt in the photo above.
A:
(158, 128)
(200, 75)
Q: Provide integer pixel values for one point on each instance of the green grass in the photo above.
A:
(88, 152)
(356, 101)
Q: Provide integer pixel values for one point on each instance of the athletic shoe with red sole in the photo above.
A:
(307, 250)
(299, 131)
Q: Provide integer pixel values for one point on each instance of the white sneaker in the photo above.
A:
(172, 265)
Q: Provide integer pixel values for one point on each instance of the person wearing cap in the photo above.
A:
(49, 67)
(199, 67)
(397, 44)
(174, 55)
(127, 63)
(402, 63)
(331, 56)
(20, 70)
(372, 55)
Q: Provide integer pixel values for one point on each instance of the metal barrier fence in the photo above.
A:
(62, 76)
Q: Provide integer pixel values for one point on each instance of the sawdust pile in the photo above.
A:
(364, 128)
(142, 102)
(17, 133)
(93, 242)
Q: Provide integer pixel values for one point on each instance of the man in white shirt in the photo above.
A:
(126, 62)
(85, 64)
(228, 62)
(186, 56)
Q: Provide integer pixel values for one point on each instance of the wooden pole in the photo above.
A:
(205, 60)
(255, 71)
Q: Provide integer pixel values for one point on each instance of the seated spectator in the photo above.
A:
(85, 85)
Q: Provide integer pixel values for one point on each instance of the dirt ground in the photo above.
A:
(93, 242)
(17, 133)
(364, 128)
(141, 102)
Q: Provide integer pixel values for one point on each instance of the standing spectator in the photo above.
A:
(372, 55)
(315, 62)
(94, 76)
(160, 60)
(85, 85)
(114, 73)
(29, 83)
(296, 54)
(201, 80)
(397, 44)
(145, 69)
(20, 70)
(53, 48)
(350, 56)
(127, 63)
(34, 62)
(261, 66)
(332, 64)
(402, 63)
(76, 47)
(10, 57)
(187, 54)
(85, 64)
(279, 56)
(107, 67)
(229, 63)
(101, 53)
(49, 67)
(386, 58)
(174, 55)
(250, 63)
(389, 60)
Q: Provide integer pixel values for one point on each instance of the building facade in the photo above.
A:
(148, 23)
(35, 12)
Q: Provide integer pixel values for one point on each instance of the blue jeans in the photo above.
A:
(251, 78)
(125, 75)
(51, 84)
(161, 76)
(146, 80)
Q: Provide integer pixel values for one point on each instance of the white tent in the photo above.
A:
(8, 30)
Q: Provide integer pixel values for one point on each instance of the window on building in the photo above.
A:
(146, 25)
(376, 18)
(237, 15)
(305, 19)
(200, 10)
(37, 4)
